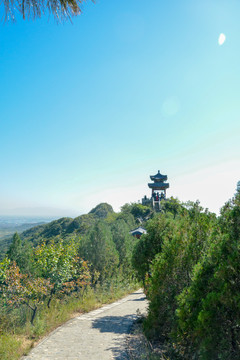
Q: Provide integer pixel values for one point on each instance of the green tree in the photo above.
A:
(172, 205)
(124, 244)
(149, 245)
(59, 263)
(21, 253)
(99, 249)
(208, 310)
(139, 211)
(21, 289)
(15, 250)
(181, 245)
(101, 211)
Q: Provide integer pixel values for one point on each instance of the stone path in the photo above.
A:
(97, 335)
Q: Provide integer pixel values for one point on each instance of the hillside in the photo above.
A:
(66, 226)
(70, 228)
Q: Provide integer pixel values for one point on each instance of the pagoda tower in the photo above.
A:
(158, 184)
(159, 187)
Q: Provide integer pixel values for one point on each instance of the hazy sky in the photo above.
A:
(89, 110)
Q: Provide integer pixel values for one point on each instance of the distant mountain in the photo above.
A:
(38, 212)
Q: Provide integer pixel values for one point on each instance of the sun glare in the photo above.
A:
(221, 39)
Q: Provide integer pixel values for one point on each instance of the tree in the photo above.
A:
(35, 8)
(101, 211)
(158, 228)
(15, 250)
(99, 249)
(139, 211)
(21, 253)
(59, 263)
(174, 247)
(17, 289)
(124, 244)
(208, 310)
(173, 206)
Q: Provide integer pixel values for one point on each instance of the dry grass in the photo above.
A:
(139, 348)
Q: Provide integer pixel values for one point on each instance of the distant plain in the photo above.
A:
(11, 224)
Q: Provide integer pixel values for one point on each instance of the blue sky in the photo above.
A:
(89, 110)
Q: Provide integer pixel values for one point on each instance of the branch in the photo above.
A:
(60, 9)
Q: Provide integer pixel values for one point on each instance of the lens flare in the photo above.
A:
(221, 39)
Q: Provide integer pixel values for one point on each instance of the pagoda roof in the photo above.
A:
(138, 231)
(158, 186)
(158, 177)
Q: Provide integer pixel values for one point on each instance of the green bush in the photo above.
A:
(209, 309)
(166, 257)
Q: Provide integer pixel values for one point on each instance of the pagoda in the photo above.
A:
(158, 184)
(159, 187)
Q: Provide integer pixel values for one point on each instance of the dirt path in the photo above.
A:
(97, 335)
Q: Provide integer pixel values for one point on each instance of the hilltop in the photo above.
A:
(67, 226)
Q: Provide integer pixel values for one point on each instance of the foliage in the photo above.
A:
(99, 249)
(21, 253)
(81, 224)
(17, 289)
(15, 250)
(188, 260)
(59, 271)
(208, 310)
(17, 343)
(139, 211)
(124, 243)
(166, 256)
(102, 210)
(173, 206)
(150, 244)
(4, 266)
(66, 227)
(35, 9)
(60, 264)
(193, 284)
(45, 267)
(46, 232)
(55, 261)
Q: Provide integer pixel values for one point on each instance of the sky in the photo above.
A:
(90, 109)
